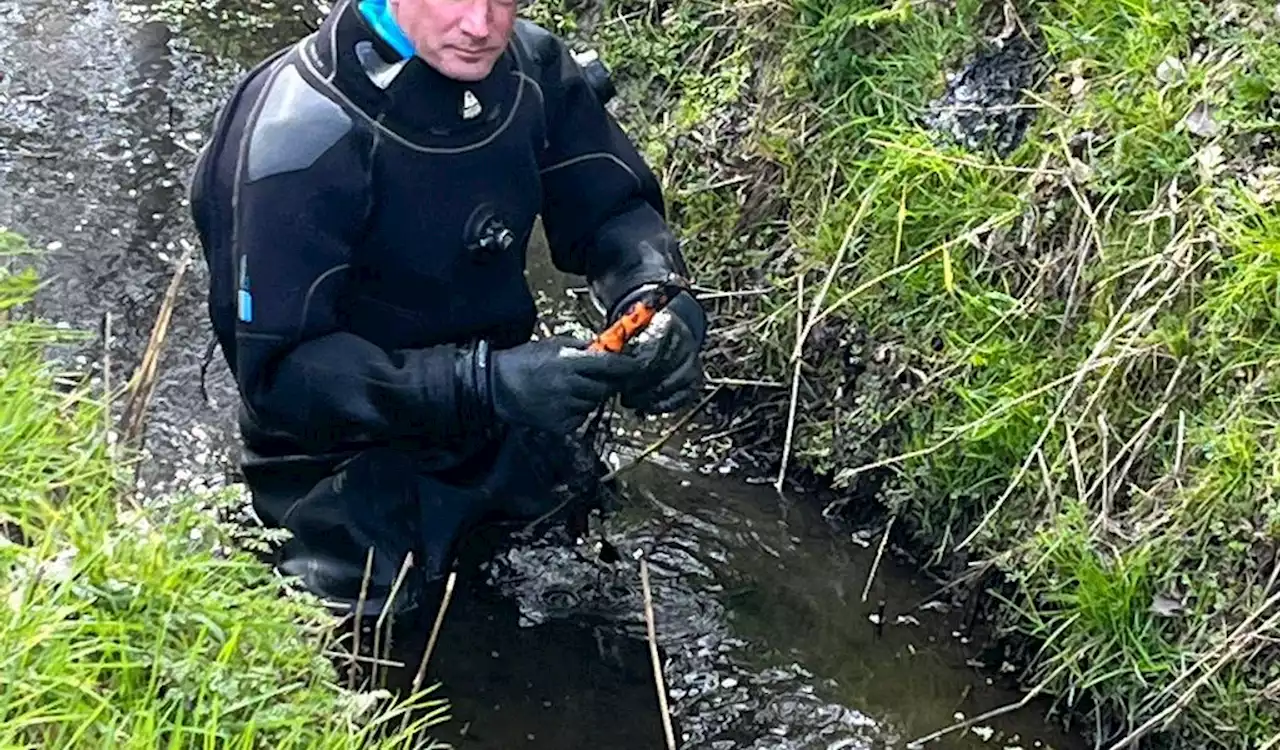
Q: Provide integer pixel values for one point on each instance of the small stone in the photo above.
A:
(1200, 120)
(1171, 71)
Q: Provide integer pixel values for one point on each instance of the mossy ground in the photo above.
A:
(152, 627)
(1048, 354)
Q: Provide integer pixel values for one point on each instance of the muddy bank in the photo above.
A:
(768, 641)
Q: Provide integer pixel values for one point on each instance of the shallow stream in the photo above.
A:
(767, 639)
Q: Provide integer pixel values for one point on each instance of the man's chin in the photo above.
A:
(468, 70)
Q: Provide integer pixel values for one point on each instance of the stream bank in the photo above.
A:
(995, 271)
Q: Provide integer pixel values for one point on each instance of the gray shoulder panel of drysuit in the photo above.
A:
(295, 126)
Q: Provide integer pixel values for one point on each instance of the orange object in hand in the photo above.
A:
(614, 338)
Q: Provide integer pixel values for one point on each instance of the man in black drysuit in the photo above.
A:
(365, 219)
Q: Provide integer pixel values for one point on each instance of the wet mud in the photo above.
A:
(766, 639)
(984, 106)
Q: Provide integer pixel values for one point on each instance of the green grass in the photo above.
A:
(143, 628)
(1057, 360)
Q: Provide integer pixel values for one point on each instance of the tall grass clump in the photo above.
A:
(1007, 272)
(142, 627)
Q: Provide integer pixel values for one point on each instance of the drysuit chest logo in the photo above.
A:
(470, 106)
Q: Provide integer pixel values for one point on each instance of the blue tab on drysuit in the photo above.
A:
(379, 17)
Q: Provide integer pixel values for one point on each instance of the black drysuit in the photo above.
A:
(365, 221)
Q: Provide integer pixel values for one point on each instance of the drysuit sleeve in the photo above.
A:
(299, 372)
(603, 209)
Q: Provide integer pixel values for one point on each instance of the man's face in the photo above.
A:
(460, 38)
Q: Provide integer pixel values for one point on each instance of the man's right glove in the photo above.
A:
(554, 384)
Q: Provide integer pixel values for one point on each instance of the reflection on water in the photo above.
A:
(766, 641)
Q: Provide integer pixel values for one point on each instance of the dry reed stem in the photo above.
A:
(875, 566)
(355, 627)
(740, 382)
(959, 432)
(106, 382)
(435, 630)
(658, 681)
(832, 270)
(367, 659)
(142, 383)
(965, 162)
(1164, 716)
(918, 260)
(1105, 341)
(1239, 629)
(386, 610)
(431, 641)
(795, 388)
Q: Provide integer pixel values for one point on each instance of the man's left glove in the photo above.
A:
(670, 352)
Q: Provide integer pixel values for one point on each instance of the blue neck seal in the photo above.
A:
(378, 14)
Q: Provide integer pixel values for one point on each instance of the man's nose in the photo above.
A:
(476, 18)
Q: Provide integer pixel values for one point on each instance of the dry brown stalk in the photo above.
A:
(142, 384)
(658, 681)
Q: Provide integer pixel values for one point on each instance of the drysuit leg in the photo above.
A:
(385, 500)
(371, 502)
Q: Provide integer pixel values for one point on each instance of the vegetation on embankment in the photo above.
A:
(124, 627)
(1039, 305)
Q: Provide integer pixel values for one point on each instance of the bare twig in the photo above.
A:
(656, 445)
(875, 566)
(659, 682)
(366, 659)
(745, 383)
(1010, 708)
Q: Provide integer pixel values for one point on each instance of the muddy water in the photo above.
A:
(766, 639)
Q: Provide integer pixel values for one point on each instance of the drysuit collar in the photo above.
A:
(357, 51)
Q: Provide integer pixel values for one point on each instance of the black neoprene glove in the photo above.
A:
(670, 352)
(554, 384)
